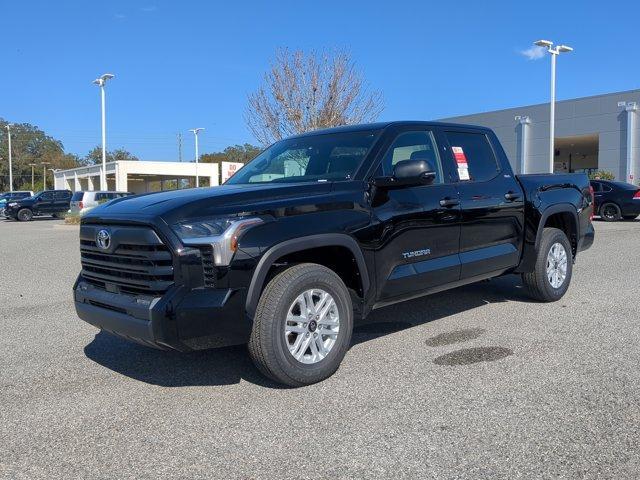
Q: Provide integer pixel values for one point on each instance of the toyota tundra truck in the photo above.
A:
(319, 230)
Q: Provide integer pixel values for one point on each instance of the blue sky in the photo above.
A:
(180, 65)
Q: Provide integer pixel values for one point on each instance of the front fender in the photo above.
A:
(298, 245)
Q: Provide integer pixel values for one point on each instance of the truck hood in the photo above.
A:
(204, 202)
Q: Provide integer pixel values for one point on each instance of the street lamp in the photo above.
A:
(101, 81)
(44, 174)
(32, 165)
(10, 158)
(552, 115)
(195, 133)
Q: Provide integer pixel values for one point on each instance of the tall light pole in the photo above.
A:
(44, 174)
(552, 105)
(101, 81)
(195, 134)
(32, 165)
(10, 158)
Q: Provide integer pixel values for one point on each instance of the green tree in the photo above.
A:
(95, 156)
(29, 145)
(235, 153)
(601, 175)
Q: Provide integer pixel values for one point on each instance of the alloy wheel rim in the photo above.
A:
(557, 261)
(609, 212)
(312, 326)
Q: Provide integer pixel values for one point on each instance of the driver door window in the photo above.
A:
(418, 145)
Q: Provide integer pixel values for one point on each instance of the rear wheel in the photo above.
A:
(25, 215)
(303, 325)
(610, 212)
(551, 276)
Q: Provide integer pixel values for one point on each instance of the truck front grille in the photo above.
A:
(138, 269)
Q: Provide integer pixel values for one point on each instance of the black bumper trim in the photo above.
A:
(120, 324)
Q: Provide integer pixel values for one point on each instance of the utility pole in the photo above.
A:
(179, 147)
(32, 165)
(44, 174)
(10, 159)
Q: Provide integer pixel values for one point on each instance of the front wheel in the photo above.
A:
(551, 276)
(25, 215)
(302, 327)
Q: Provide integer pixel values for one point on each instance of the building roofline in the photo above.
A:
(602, 95)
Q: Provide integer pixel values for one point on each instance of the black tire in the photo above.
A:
(630, 217)
(24, 215)
(610, 212)
(537, 281)
(268, 346)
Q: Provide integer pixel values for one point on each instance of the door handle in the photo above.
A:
(511, 196)
(449, 202)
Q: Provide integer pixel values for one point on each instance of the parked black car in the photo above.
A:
(616, 200)
(47, 202)
(316, 232)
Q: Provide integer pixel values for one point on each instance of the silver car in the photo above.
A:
(82, 202)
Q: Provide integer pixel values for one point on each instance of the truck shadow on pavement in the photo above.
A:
(423, 310)
(230, 365)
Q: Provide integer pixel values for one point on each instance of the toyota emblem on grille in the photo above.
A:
(103, 239)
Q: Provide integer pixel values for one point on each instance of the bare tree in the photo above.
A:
(303, 92)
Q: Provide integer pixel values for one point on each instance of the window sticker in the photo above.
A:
(461, 161)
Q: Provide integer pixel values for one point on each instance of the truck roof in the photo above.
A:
(382, 125)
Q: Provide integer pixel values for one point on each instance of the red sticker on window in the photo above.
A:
(459, 155)
(461, 160)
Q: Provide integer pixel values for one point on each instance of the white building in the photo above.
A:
(137, 176)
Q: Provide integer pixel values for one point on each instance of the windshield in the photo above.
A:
(314, 158)
(77, 196)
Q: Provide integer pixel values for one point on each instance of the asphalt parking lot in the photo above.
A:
(478, 382)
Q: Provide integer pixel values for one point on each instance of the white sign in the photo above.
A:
(229, 168)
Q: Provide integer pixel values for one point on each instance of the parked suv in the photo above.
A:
(10, 196)
(319, 230)
(82, 202)
(47, 202)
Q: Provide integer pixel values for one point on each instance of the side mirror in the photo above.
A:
(408, 173)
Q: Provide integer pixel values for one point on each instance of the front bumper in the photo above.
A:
(180, 319)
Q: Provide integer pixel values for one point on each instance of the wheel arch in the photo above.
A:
(300, 245)
(563, 216)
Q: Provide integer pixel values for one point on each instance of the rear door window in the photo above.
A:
(474, 156)
(61, 195)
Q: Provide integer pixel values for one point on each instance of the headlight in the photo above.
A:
(221, 233)
(12, 204)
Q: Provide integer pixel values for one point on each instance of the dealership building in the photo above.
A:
(138, 176)
(591, 133)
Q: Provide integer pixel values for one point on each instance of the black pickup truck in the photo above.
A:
(47, 202)
(319, 230)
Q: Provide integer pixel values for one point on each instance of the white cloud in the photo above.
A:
(533, 53)
(120, 16)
